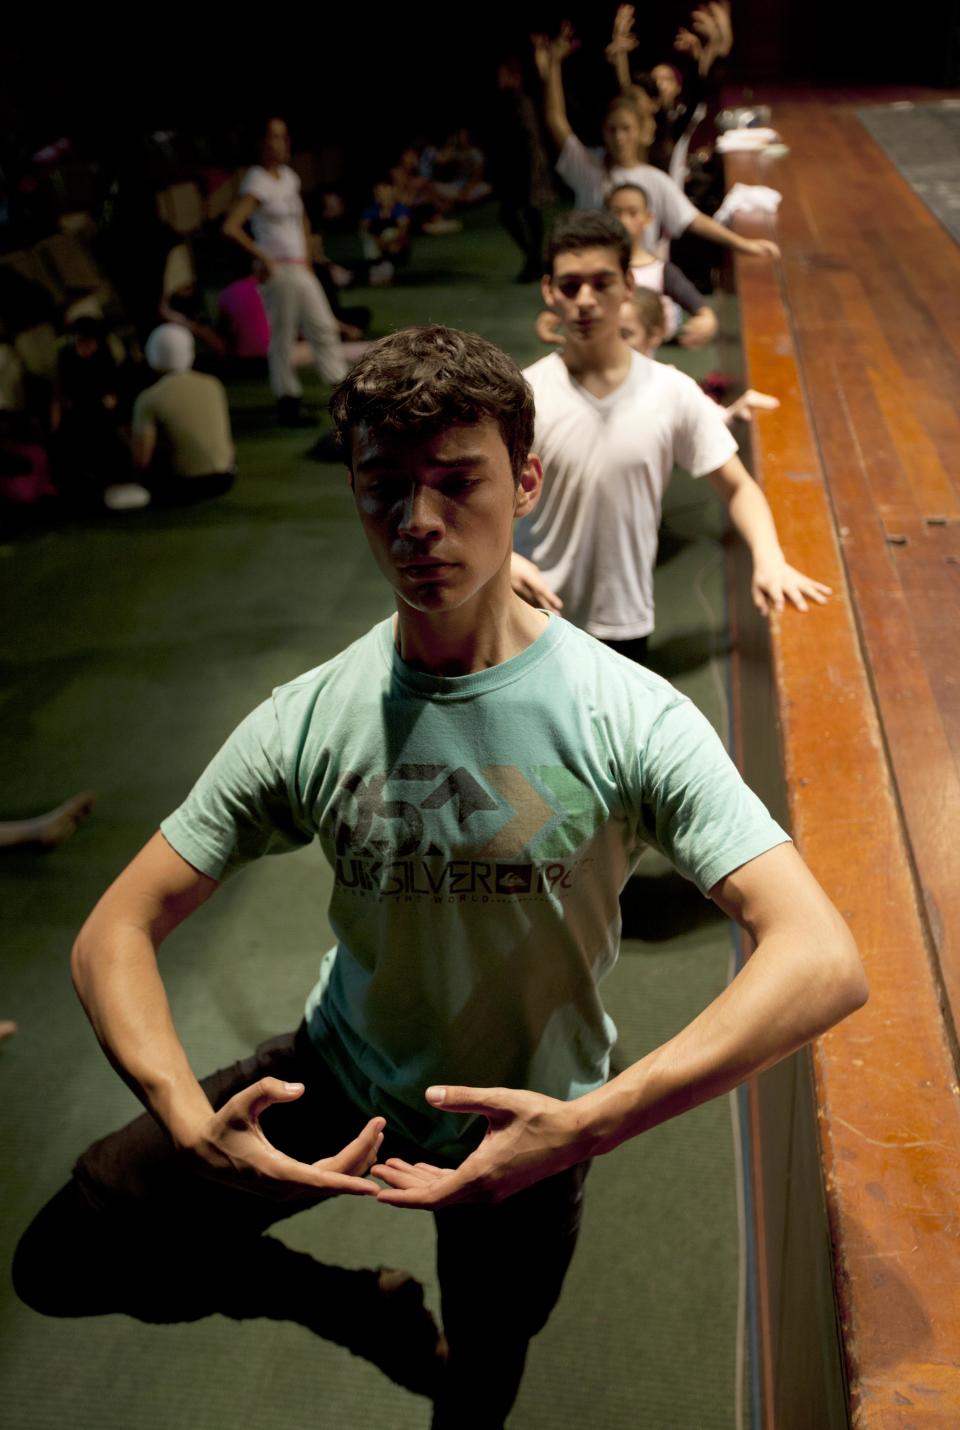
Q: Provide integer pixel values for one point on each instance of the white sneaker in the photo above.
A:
(126, 496)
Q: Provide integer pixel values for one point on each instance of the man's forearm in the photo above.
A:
(555, 105)
(116, 977)
(708, 228)
(753, 520)
(760, 1018)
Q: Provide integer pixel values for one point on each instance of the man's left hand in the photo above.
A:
(528, 1137)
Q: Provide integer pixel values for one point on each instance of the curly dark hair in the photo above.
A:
(420, 380)
(588, 228)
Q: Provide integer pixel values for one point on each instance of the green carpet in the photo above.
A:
(132, 644)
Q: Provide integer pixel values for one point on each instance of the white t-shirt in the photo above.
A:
(591, 180)
(606, 464)
(277, 221)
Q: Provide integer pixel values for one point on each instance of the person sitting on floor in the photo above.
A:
(182, 444)
(385, 233)
(90, 451)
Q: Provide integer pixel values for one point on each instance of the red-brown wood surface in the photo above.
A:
(858, 332)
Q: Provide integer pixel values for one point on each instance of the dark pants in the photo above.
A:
(139, 1231)
(635, 649)
(167, 489)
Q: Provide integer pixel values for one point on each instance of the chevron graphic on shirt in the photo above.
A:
(531, 813)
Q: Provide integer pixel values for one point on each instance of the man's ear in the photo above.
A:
(529, 486)
(630, 281)
(546, 288)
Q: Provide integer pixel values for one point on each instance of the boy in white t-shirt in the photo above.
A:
(270, 202)
(611, 425)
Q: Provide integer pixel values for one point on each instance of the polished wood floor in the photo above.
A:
(858, 330)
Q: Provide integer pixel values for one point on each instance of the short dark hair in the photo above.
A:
(588, 228)
(421, 380)
(628, 188)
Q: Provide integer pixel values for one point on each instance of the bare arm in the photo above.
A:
(774, 580)
(622, 42)
(804, 975)
(709, 228)
(115, 972)
(234, 228)
(549, 56)
(144, 446)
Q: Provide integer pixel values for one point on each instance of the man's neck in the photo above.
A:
(601, 365)
(479, 635)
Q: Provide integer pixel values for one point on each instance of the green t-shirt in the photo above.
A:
(480, 829)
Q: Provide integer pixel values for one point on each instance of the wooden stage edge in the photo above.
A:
(857, 331)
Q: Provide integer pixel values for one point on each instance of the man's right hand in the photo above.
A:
(232, 1147)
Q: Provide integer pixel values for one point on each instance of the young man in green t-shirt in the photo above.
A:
(483, 778)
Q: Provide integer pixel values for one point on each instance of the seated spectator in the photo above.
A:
(24, 466)
(428, 207)
(456, 169)
(182, 444)
(87, 413)
(243, 319)
(385, 233)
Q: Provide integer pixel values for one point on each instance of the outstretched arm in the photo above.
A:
(114, 965)
(709, 228)
(804, 975)
(774, 579)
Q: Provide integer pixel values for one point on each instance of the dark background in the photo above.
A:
(386, 73)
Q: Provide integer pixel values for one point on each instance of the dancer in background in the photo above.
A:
(270, 202)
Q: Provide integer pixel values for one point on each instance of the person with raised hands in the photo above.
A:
(627, 136)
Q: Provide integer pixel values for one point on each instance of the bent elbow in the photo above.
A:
(851, 989)
(78, 961)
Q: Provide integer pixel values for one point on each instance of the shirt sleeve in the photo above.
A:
(675, 212)
(677, 286)
(577, 167)
(696, 807)
(241, 807)
(702, 441)
(253, 182)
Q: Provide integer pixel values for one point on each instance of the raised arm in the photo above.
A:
(804, 975)
(623, 42)
(774, 579)
(549, 56)
(115, 972)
